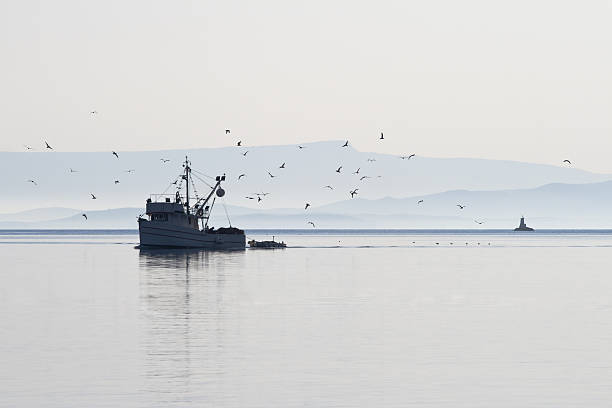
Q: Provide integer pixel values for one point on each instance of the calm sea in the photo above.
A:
(338, 319)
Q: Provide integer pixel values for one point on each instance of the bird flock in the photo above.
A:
(259, 197)
(48, 147)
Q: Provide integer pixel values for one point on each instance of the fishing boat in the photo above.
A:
(173, 222)
(267, 244)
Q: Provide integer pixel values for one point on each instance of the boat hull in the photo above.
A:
(153, 234)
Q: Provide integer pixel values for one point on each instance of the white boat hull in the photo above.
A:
(159, 234)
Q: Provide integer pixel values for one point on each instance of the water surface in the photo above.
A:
(343, 319)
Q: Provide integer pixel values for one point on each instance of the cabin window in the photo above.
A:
(159, 217)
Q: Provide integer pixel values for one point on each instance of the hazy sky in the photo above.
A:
(526, 80)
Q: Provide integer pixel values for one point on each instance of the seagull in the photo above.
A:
(84, 215)
(239, 143)
(227, 131)
(73, 171)
(48, 146)
(282, 166)
(567, 161)
(245, 153)
(130, 171)
(352, 193)
(33, 182)
(339, 169)
(479, 222)
(311, 223)
(271, 175)
(420, 201)
(328, 186)
(345, 144)
(357, 172)
(364, 177)
(306, 206)
(461, 207)
(165, 160)
(371, 160)
(115, 154)
(381, 136)
(116, 181)
(27, 147)
(93, 197)
(241, 176)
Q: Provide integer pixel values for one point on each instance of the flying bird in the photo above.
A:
(85, 216)
(116, 181)
(567, 161)
(259, 198)
(227, 131)
(239, 143)
(461, 207)
(93, 197)
(73, 171)
(364, 177)
(420, 202)
(165, 160)
(115, 154)
(94, 112)
(245, 153)
(345, 144)
(381, 136)
(311, 223)
(357, 172)
(130, 171)
(271, 175)
(27, 147)
(301, 147)
(479, 222)
(407, 157)
(241, 176)
(371, 160)
(250, 198)
(48, 146)
(339, 169)
(282, 166)
(330, 187)
(352, 193)
(33, 182)
(306, 206)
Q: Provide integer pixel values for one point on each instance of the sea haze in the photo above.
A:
(340, 318)
(306, 172)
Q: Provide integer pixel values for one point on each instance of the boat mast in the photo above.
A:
(186, 178)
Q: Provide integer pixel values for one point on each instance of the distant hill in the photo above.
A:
(549, 206)
(306, 171)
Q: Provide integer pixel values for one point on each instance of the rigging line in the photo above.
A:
(195, 191)
(203, 174)
(171, 184)
(196, 176)
(226, 214)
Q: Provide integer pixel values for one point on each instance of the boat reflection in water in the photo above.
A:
(186, 302)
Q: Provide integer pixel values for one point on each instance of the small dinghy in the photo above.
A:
(267, 244)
